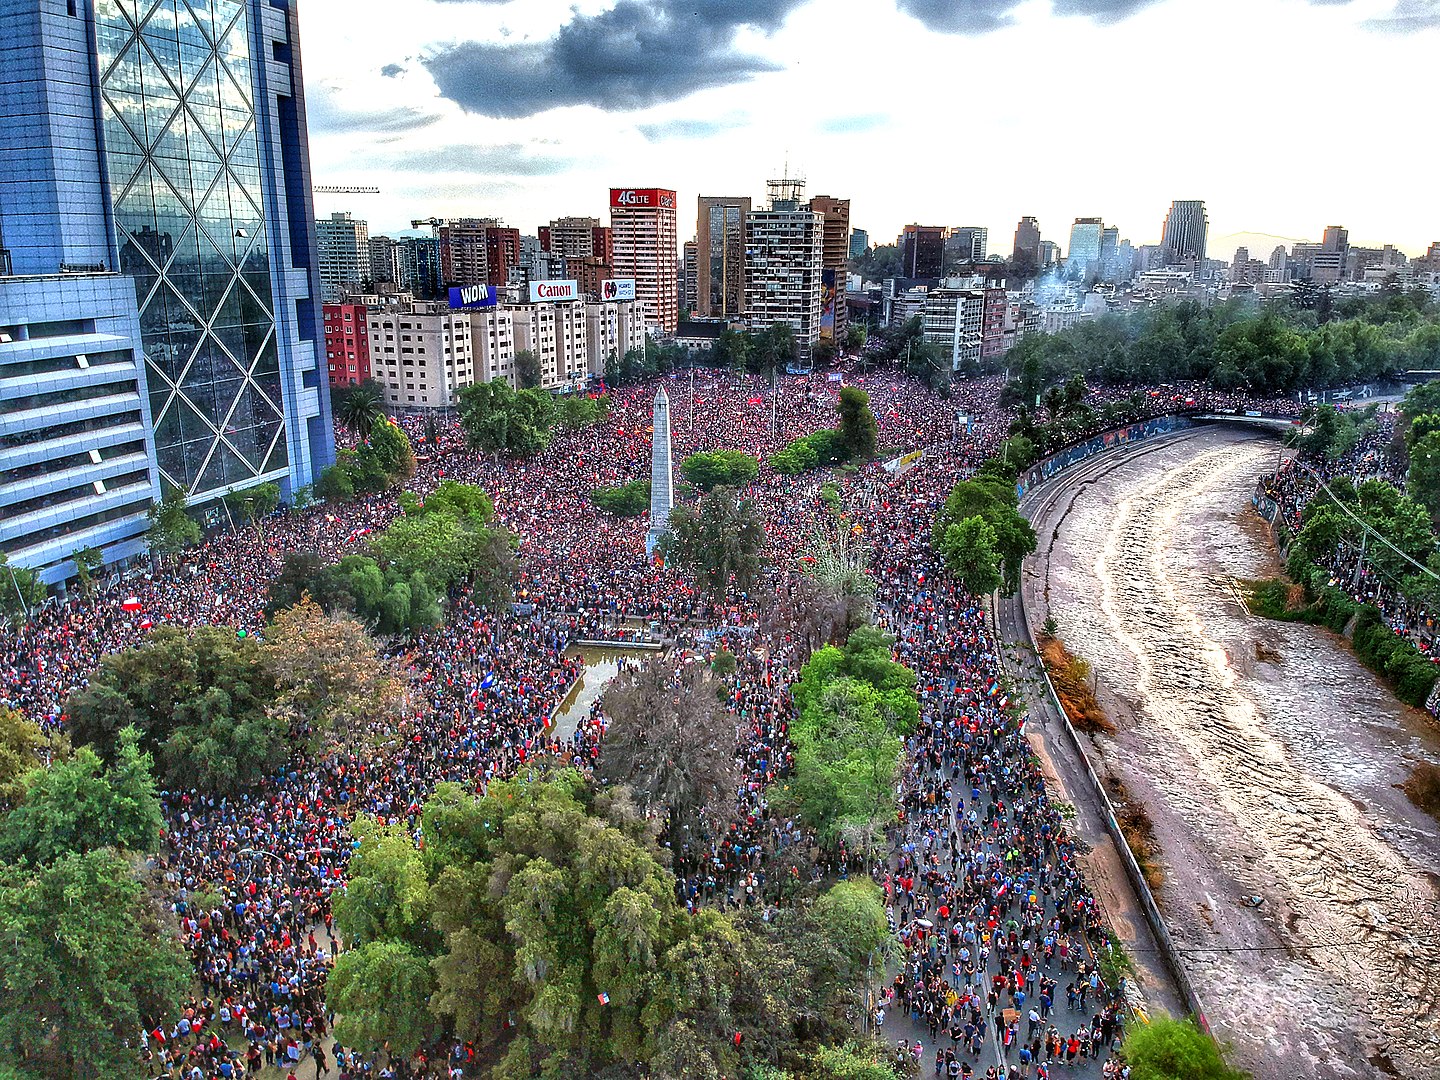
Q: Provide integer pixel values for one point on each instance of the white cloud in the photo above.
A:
(1284, 115)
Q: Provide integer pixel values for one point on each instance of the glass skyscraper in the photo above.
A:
(199, 129)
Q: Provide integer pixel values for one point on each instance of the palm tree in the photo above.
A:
(360, 407)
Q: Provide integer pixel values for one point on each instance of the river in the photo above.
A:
(1267, 758)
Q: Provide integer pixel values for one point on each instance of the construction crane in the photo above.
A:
(344, 189)
(434, 223)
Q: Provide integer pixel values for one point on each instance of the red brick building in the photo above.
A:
(347, 344)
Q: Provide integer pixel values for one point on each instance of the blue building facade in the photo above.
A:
(77, 467)
(165, 140)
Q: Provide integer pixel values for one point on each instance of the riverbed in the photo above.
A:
(1267, 757)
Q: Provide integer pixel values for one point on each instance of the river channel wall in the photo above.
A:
(1040, 473)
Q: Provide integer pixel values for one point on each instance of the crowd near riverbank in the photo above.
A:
(1000, 934)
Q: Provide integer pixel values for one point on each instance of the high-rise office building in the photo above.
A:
(720, 256)
(967, 244)
(420, 266)
(1084, 254)
(1185, 231)
(784, 262)
(690, 277)
(168, 143)
(77, 463)
(1027, 242)
(642, 222)
(476, 251)
(835, 256)
(343, 245)
(922, 251)
(578, 238)
(384, 260)
(859, 243)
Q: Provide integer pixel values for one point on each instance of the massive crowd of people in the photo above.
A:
(985, 889)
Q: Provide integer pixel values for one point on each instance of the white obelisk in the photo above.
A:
(662, 486)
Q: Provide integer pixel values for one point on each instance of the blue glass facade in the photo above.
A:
(165, 140)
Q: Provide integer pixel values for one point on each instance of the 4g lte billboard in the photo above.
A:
(639, 198)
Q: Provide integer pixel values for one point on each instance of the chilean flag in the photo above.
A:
(131, 603)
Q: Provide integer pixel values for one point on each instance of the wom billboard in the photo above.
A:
(635, 198)
(472, 296)
(617, 289)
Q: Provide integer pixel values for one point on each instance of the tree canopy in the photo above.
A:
(719, 541)
(540, 923)
(499, 419)
(991, 498)
(710, 469)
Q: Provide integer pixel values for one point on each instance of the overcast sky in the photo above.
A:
(1283, 115)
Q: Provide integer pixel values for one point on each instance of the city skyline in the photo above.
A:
(388, 105)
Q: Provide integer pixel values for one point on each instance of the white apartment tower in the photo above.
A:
(784, 260)
(343, 247)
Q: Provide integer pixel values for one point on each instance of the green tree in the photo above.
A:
(20, 745)
(78, 806)
(626, 500)
(1166, 1049)
(1422, 481)
(390, 448)
(969, 550)
(200, 701)
(497, 419)
(20, 588)
(858, 433)
(359, 408)
(172, 529)
(527, 369)
(708, 470)
(88, 562)
(253, 505)
(719, 542)
(381, 991)
(992, 499)
(87, 967)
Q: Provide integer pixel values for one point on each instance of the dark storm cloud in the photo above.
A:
(636, 54)
(506, 159)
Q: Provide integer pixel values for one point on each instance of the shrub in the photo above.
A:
(626, 500)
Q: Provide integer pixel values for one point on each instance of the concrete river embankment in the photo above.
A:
(1267, 758)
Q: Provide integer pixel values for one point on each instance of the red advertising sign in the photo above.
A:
(632, 198)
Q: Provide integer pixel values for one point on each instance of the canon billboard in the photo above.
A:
(632, 198)
(544, 291)
(617, 289)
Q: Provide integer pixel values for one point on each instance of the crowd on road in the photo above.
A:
(986, 889)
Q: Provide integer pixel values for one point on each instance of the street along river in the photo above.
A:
(1266, 757)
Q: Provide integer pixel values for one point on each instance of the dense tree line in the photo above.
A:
(1232, 346)
(709, 469)
(383, 460)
